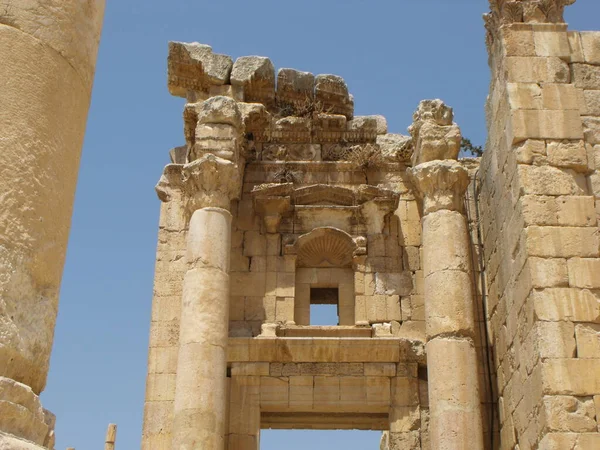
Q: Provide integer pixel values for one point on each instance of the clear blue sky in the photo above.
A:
(391, 53)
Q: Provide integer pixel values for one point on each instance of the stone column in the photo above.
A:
(48, 53)
(450, 325)
(209, 183)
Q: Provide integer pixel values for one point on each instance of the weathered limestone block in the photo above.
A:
(48, 52)
(567, 413)
(591, 130)
(537, 70)
(588, 340)
(194, 67)
(256, 75)
(433, 132)
(546, 124)
(575, 441)
(571, 376)
(394, 283)
(562, 242)
(575, 305)
(547, 180)
(217, 125)
(568, 154)
(584, 272)
(294, 89)
(332, 92)
(586, 76)
(395, 147)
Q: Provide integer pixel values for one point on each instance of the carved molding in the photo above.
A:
(367, 204)
(441, 185)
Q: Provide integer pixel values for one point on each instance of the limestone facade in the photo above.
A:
(467, 291)
(48, 53)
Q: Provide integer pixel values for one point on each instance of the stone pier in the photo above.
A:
(441, 181)
(48, 53)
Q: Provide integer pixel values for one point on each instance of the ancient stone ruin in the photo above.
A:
(467, 291)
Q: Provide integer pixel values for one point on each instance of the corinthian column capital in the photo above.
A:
(208, 181)
(441, 184)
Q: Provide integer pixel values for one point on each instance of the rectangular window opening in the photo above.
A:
(324, 304)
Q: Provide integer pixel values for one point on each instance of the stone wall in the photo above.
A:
(540, 228)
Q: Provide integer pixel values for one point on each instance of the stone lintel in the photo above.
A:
(441, 185)
(326, 350)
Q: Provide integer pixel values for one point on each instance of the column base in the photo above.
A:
(23, 422)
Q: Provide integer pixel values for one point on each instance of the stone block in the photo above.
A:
(576, 211)
(518, 42)
(551, 272)
(255, 244)
(577, 376)
(547, 180)
(378, 391)
(404, 391)
(568, 154)
(545, 124)
(301, 393)
(567, 413)
(284, 309)
(589, 102)
(562, 242)
(393, 283)
(405, 418)
(539, 210)
(380, 369)
(588, 340)
(248, 284)
(256, 75)
(353, 391)
(552, 43)
(574, 305)
(537, 70)
(274, 392)
(591, 130)
(586, 76)
(584, 272)
(590, 42)
(326, 392)
(332, 92)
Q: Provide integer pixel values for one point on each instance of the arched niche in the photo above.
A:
(324, 264)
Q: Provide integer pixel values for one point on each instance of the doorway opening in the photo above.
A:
(319, 439)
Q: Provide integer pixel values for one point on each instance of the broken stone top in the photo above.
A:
(194, 71)
(434, 134)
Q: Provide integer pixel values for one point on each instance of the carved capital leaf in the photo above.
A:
(208, 181)
(441, 185)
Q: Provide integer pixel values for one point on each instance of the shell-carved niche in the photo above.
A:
(325, 247)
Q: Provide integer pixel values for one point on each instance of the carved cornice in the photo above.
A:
(441, 185)
(369, 204)
(504, 12)
(208, 181)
